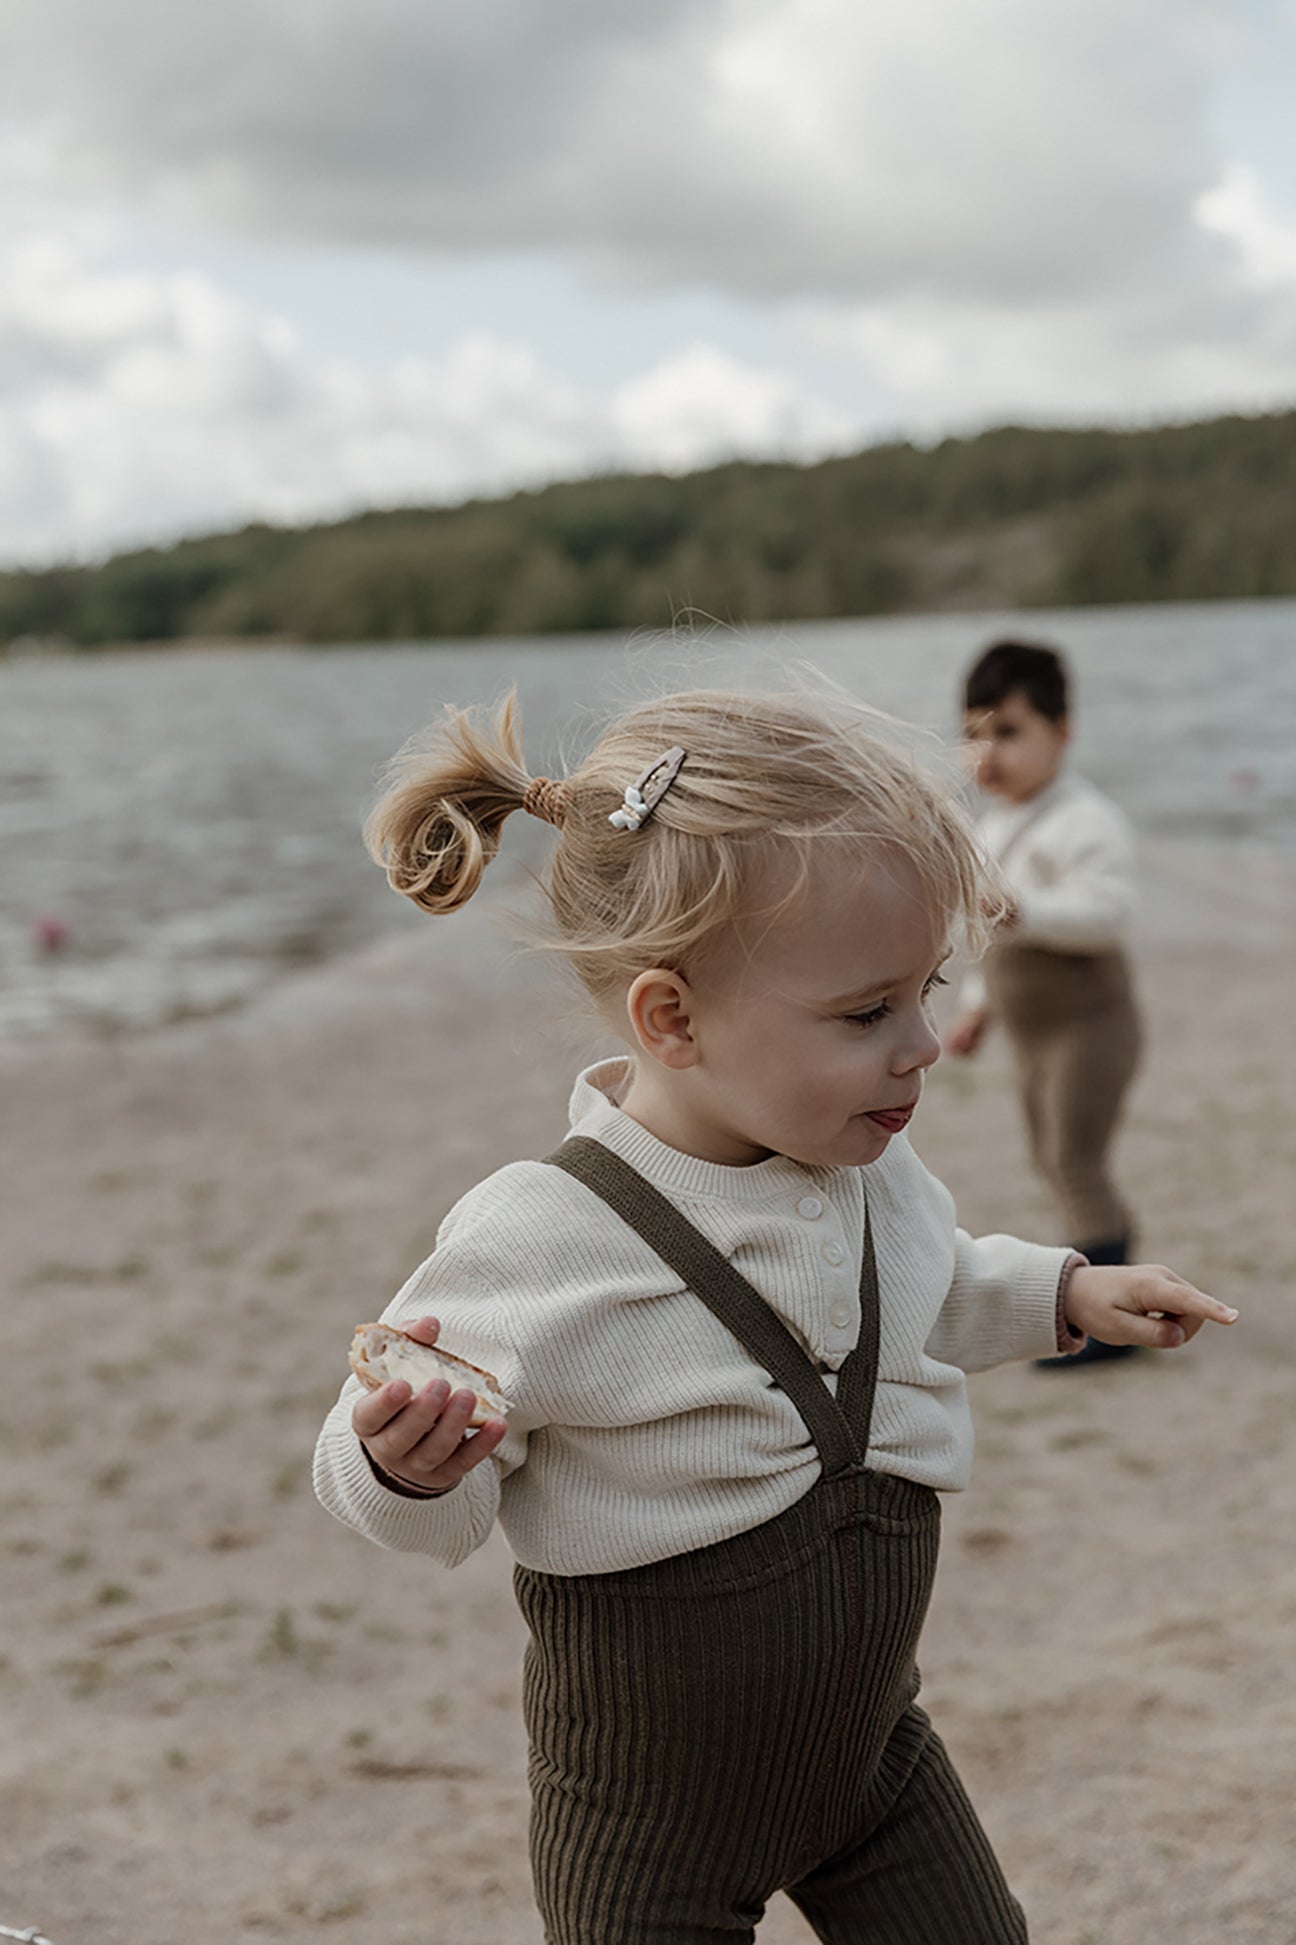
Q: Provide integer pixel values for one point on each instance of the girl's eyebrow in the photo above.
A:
(863, 994)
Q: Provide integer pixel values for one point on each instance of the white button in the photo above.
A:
(839, 1314)
(809, 1206)
(833, 1253)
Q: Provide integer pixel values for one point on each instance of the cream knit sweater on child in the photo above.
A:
(1068, 858)
(639, 1427)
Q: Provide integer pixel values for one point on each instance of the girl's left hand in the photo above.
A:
(1144, 1303)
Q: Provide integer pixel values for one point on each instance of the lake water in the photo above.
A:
(191, 818)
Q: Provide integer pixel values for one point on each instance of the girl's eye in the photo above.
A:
(871, 1017)
(881, 1011)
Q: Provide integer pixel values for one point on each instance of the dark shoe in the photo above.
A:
(1111, 1249)
(1094, 1352)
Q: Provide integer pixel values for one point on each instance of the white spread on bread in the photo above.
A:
(381, 1353)
(418, 1364)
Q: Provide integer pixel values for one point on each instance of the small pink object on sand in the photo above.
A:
(50, 934)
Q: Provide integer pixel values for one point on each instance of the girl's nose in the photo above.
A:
(921, 1049)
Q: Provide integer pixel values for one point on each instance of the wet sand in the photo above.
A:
(225, 1716)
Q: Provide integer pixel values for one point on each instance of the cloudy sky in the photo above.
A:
(286, 258)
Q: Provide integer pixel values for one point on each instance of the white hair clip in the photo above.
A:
(646, 792)
(632, 812)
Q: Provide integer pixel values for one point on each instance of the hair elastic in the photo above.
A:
(646, 792)
(545, 798)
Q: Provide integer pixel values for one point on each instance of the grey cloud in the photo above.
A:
(395, 121)
(815, 149)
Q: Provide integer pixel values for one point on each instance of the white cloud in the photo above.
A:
(961, 367)
(701, 407)
(151, 407)
(1237, 210)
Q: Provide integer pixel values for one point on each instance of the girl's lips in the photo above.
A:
(893, 1119)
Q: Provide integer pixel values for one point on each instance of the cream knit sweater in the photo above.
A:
(639, 1426)
(1067, 855)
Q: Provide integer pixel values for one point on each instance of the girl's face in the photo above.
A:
(812, 1039)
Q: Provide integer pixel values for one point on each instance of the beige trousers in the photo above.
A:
(1074, 1028)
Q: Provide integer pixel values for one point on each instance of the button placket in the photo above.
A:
(834, 1332)
(840, 1309)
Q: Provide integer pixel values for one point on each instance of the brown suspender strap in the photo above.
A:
(711, 1277)
(857, 1379)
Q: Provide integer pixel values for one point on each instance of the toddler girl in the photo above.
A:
(733, 1315)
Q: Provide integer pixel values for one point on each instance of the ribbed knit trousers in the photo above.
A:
(1074, 1028)
(711, 1729)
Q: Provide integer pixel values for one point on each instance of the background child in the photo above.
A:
(733, 1314)
(1057, 977)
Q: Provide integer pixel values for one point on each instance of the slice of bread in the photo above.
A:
(381, 1352)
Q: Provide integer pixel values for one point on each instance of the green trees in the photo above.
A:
(1014, 517)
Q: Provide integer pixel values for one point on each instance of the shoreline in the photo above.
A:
(64, 650)
(956, 598)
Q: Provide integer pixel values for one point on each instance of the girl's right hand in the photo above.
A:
(423, 1440)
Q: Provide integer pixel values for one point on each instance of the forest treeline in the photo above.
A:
(1015, 517)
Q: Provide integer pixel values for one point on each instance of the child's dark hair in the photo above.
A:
(1039, 673)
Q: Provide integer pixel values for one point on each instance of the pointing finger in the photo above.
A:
(1158, 1292)
(1185, 1301)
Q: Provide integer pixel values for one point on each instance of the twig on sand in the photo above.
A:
(187, 1617)
(376, 1769)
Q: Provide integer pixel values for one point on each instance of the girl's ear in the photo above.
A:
(660, 1005)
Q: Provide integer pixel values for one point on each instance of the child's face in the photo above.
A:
(813, 1039)
(1015, 750)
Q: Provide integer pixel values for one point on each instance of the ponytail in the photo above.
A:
(437, 825)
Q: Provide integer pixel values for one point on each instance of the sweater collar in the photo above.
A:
(594, 1112)
(1056, 791)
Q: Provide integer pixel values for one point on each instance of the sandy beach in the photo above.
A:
(226, 1717)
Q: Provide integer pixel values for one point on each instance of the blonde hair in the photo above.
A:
(760, 771)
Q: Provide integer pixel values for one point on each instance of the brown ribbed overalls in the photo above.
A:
(710, 1729)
